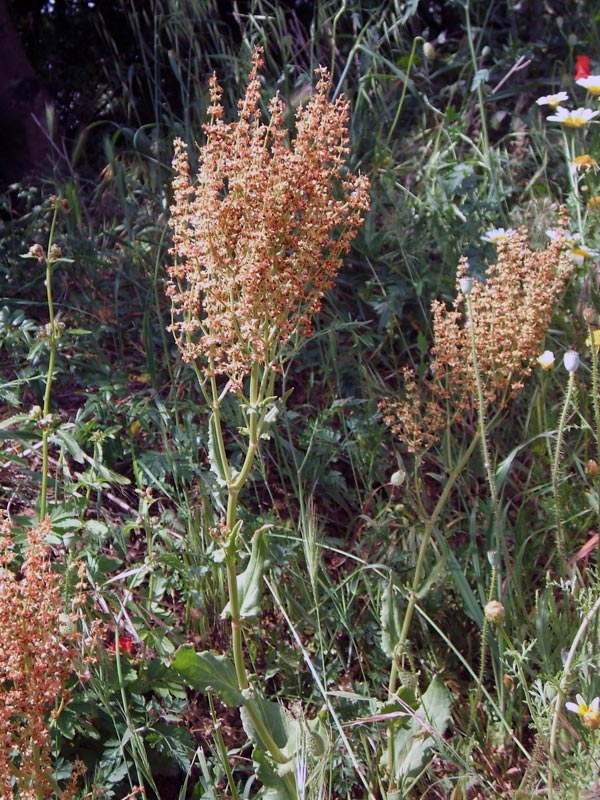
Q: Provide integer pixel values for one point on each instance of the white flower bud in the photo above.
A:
(571, 360)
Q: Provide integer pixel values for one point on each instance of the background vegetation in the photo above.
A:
(379, 559)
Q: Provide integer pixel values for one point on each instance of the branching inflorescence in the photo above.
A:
(40, 646)
(259, 234)
(511, 313)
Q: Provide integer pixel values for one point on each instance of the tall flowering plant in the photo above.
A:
(258, 238)
(259, 234)
(41, 646)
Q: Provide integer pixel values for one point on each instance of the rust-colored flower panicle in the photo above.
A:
(511, 313)
(40, 647)
(259, 232)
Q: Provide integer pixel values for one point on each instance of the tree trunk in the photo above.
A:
(24, 143)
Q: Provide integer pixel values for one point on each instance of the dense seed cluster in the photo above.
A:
(258, 234)
(511, 313)
(39, 645)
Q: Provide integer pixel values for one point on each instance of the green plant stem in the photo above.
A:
(483, 437)
(51, 363)
(218, 736)
(420, 565)
(137, 746)
(416, 584)
(561, 693)
(482, 652)
(480, 99)
(596, 407)
(569, 147)
(560, 534)
(411, 59)
(259, 391)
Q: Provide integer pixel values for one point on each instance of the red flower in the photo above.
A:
(582, 67)
(125, 644)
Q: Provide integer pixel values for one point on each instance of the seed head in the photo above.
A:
(259, 233)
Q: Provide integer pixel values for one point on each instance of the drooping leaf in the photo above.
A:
(391, 619)
(215, 456)
(250, 581)
(208, 670)
(273, 716)
(414, 744)
(64, 438)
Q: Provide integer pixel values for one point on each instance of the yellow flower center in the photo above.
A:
(591, 719)
(579, 252)
(585, 162)
(574, 122)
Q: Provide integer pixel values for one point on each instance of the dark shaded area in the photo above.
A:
(23, 99)
(91, 59)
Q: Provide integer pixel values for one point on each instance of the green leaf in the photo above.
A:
(391, 619)
(414, 744)
(207, 670)
(173, 742)
(273, 716)
(79, 455)
(16, 419)
(250, 582)
(274, 786)
(472, 606)
(481, 76)
(505, 466)
(216, 458)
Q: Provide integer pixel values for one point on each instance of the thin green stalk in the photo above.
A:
(483, 436)
(411, 59)
(480, 98)
(137, 747)
(483, 650)
(561, 693)
(52, 341)
(596, 408)
(556, 471)
(222, 750)
(569, 148)
(420, 565)
(416, 585)
(255, 418)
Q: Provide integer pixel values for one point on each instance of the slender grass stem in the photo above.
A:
(416, 585)
(453, 476)
(52, 342)
(222, 750)
(483, 651)
(483, 436)
(556, 473)
(596, 409)
(411, 59)
(569, 148)
(561, 693)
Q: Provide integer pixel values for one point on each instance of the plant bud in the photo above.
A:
(494, 612)
(466, 285)
(591, 467)
(571, 360)
(429, 50)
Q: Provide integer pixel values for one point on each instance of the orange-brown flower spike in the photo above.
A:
(258, 236)
(511, 313)
(41, 646)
